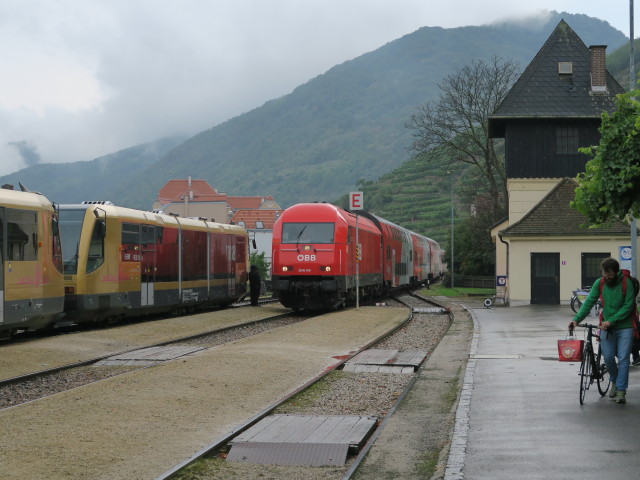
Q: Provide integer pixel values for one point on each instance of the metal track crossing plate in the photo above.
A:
(305, 440)
(147, 356)
(385, 361)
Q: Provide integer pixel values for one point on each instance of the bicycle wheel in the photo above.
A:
(575, 304)
(603, 379)
(585, 371)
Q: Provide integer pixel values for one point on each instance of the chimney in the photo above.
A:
(598, 68)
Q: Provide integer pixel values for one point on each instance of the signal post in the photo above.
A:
(356, 202)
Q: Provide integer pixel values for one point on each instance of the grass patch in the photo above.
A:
(428, 463)
(439, 289)
(202, 469)
(450, 397)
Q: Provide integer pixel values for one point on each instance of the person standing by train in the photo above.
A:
(616, 336)
(254, 285)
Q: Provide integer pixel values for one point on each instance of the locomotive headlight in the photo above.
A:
(325, 269)
(287, 269)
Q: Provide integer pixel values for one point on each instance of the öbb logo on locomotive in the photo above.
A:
(94, 262)
(386, 255)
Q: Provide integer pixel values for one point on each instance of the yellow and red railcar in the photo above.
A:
(31, 281)
(121, 262)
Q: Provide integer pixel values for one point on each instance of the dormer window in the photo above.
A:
(565, 68)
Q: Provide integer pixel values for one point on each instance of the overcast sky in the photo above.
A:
(83, 78)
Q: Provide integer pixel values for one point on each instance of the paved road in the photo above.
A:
(524, 416)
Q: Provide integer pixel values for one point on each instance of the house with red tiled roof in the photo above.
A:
(193, 198)
(196, 198)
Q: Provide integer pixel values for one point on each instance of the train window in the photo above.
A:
(130, 234)
(22, 235)
(307, 232)
(71, 221)
(56, 244)
(95, 256)
(147, 235)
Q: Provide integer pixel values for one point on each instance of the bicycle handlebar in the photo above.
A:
(588, 325)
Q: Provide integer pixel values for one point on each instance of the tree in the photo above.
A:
(457, 124)
(609, 189)
(259, 261)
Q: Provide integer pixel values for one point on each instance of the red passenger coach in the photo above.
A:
(314, 256)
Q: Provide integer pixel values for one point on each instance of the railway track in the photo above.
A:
(39, 384)
(341, 393)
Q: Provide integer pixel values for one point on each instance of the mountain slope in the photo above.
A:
(315, 143)
(94, 180)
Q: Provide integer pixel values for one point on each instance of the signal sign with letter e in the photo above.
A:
(356, 201)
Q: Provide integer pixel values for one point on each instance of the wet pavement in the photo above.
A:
(520, 415)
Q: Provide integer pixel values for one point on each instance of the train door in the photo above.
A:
(231, 264)
(2, 257)
(394, 269)
(147, 264)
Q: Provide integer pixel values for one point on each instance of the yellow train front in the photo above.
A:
(121, 262)
(31, 284)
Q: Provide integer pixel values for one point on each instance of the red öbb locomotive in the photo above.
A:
(315, 254)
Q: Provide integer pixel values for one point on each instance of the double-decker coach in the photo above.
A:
(121, 262)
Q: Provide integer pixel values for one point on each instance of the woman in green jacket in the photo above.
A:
(616, 336)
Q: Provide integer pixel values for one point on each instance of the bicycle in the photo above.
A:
(578, 297)
(592, 366)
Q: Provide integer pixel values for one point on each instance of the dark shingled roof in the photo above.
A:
(541, 92)
(554, 217)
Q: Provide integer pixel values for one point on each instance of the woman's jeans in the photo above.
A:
(617, 343)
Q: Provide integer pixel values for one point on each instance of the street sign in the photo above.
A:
(625, 257)
(356, 201)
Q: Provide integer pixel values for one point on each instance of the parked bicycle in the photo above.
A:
(592, 366)
(578, 297)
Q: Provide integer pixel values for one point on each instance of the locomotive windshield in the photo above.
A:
(70, 229)
(307, 233)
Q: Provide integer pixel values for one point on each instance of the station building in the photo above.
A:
(544, 249)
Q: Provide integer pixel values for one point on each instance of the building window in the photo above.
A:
(259, 224)
(567, 141)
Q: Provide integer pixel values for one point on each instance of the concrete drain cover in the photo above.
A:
(147, 356)
(302, 440)
(385, 361)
